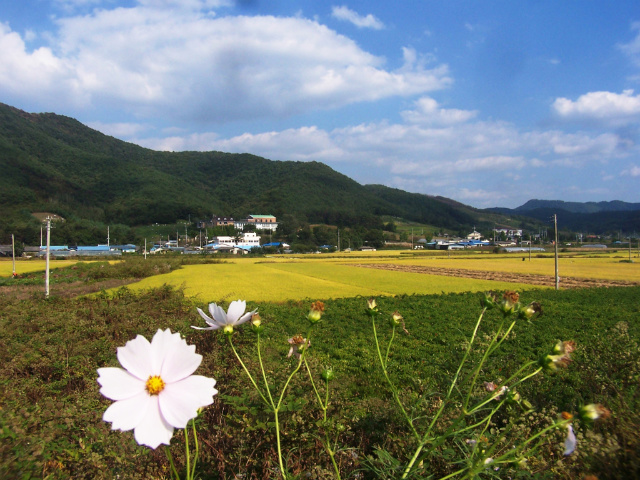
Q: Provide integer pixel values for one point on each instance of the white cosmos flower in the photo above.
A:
(219, 319)
(155, 392)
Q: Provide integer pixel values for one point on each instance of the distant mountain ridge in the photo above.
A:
(587, 217)
(579, 207)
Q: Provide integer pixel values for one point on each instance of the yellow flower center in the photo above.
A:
(154, 385)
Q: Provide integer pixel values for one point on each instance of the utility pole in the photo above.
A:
(46, 274)
(530, 247)
(13, 250)
(108, 237)
(555, 224)
(338, 240)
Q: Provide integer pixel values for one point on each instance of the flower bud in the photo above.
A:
(562, 357)
(513, 397)
(509, 303)
(488, 300)
(592, 412)
(315, 314)
(256, 323)
(527, 312)
(327, 374)
(371, 304)
(396, 318)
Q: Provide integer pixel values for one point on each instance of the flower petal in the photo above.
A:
(235, 311)
(218, 314)
(246, 317)
(209, 320)
(119, 384)
(135, 357)
(180, 401)
(212, 327)
(571, 442)
(127, 414)
(163, 344)
(180, 361)
(153, 429)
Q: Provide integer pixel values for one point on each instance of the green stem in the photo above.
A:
(255, 385)
(393, 334)
(425, 437)
(451, 475)
(276, 408)
(490, 349)
(394, 391)
(324, 405)
(264, 374)
(187, 453)
(173, 467)
(315, 389)
(197, 453)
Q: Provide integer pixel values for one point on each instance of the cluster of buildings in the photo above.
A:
(260, 222)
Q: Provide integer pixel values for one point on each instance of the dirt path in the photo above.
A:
(549, 281)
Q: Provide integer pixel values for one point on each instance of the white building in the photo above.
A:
(510, 233)
(262, 222)
(246, 241)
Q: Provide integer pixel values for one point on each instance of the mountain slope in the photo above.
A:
(54, 163)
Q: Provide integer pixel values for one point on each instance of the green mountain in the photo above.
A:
(53, 163)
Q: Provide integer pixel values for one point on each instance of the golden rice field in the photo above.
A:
(280, 281)
(28, 266)
(605, 267)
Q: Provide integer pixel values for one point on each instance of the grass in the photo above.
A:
(51, 427)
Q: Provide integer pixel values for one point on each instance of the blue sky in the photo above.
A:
(490, 103)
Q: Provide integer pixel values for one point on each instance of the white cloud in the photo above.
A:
(348, 15)
(427, 111)
(601, 106)
(120, 130)
(632, 49)
(633, 171)
(445, 155)
(195, 67)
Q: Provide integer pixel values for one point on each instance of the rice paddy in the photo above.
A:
(28, 266)
(281, 281)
